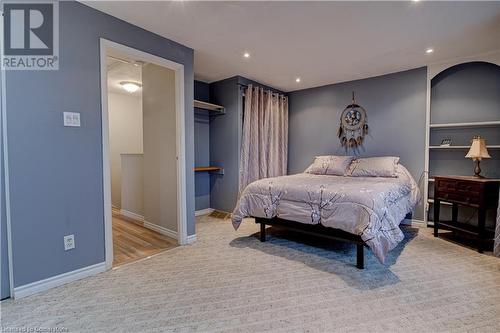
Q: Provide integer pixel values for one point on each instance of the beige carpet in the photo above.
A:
(230, 282)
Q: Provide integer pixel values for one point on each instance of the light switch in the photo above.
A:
(71, 119)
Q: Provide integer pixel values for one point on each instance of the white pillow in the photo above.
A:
(374, 167)
(330, 165)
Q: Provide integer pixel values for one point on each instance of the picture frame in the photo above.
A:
(446, 142)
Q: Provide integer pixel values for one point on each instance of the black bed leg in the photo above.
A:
(262, 232)
(360, 254)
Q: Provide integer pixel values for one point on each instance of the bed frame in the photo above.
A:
(316, 230)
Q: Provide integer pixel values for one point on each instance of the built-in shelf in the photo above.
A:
(462, 147)
(431, 201)
(470, 124)
(209, 169)
(213, 109)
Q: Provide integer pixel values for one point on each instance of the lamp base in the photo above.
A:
(477, 169)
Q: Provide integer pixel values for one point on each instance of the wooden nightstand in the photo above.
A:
(480, 193)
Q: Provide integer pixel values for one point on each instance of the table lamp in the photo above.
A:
(477, 152)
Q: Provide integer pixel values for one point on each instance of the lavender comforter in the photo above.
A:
(371, 207)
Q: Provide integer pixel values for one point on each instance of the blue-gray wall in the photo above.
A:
(225, 134)
(201, 147)
(465, 93)
(395, 105)
(55, 171)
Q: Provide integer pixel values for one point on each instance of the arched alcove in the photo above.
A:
(464, 101)
(466, 92)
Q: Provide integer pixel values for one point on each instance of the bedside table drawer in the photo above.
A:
(461, 197)
(457, 187)
(446, 185)
(458, 190)
(469, 187)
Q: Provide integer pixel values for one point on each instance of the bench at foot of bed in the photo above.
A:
(318, 231)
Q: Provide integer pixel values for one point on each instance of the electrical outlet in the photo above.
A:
(69, 242)
(71, 119)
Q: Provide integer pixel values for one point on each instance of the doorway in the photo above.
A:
(143, 153)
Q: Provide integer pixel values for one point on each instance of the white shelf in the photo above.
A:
(462, 147)
(471, 124)
(213, 108)
(431, 201)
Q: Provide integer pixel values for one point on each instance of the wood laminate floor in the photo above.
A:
(132, 241)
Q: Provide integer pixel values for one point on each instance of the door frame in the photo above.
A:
(105, 46)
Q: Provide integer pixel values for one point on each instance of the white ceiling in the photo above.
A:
(119, 71)
(322, 42)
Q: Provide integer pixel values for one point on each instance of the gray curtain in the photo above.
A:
(264, 144)
(496, 248)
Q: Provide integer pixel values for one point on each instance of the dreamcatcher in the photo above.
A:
(353, 125)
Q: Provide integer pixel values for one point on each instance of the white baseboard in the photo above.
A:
(131, 215)
(191, 239)
(205, 211)
(58, 280)
(161, 230)
(418, 222)
(149, 225)
(412, 222)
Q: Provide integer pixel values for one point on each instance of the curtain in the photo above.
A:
(264, 144)
(496, 246)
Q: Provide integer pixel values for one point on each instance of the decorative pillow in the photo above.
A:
(374, 167)
(330, 165)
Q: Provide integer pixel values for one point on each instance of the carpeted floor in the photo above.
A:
(230, 282)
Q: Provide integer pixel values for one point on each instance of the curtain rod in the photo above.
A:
(274, 92)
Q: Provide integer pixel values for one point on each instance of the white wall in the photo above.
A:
(132, 198)
(125, 135)
(160, 151)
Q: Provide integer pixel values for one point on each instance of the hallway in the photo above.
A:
(132, 241)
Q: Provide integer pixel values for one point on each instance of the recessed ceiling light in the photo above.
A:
(130, 86)
(415, 0)
(297, 80)
(428, 51)
(246, 55)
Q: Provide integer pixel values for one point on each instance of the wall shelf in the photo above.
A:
(214, 169)
(469, 124)
(462, 147)
(213, 109)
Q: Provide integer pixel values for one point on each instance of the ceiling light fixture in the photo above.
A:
(130, 86)
(246, 55)
(297, 80)
(429, 51)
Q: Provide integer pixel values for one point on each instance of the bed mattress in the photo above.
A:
(371, 207)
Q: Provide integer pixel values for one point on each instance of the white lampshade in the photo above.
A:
(478, 149)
